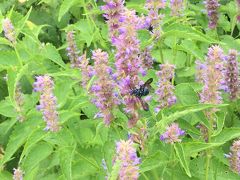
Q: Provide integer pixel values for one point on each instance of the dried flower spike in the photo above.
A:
(19, 99)
(48, 106)
(212, 10)
(127, 155)
(103, 88)
(172, 134)
(73, 52)
(232, 79)
(9, 31)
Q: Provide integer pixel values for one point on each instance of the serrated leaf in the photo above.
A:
(7, 109)
(195, 147)
(38, 153)
(50, 52)
(153, 161)
(160, 126)
(14, 75)
(186, 94)
(18, 138)
(33, 139)
(226, 135)
(65, 6)
(8, 59)
(66, 158)
(182, 158)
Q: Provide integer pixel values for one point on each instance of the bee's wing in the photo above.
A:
(148, 82)
(144, 104)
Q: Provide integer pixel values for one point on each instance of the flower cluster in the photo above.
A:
(212, 10)
(176, 7)
(9, 31)
(213, 76)
(103, 88)
(128, 63)
(73, 52)
(234, 156)
(17, 174)
(113, 10)
(232, 79)
(172, 134)
(44, 85)
(165, 88)
(146, 57)
(153, 19)
(127, 155)
(19, 99)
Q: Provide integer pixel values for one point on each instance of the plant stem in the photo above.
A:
(209, 151)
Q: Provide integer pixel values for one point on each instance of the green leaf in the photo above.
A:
(18, 138)
(195, 147)
(160, 126)
(5, 175)
(38, 153)
(189, 35)
(66, 158)
(8, 59)
(115, 170)
(186, 94)
(86, 31)
(7, 109)
(66, 5)
(182, 158)
(50, 52)
(153, 161)
(5, 126)
(226, 135)
(32, 140)
(14, 75)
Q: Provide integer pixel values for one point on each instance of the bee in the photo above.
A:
(143, 90)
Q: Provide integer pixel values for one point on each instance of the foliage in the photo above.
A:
(77, 150)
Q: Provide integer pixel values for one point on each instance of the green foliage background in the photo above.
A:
(76, 152)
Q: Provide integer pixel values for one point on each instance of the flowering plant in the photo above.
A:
(119, 89)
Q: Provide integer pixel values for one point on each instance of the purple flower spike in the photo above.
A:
(72, 50)
(234, 156)
(9, 31)
(45, 85)
(232, 75)
(212, 10)
(113, 10)
(172, 134)
(104, 86)
(165, 88)
(213, 76)
(127, 155)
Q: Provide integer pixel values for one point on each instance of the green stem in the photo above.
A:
(209, 151)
